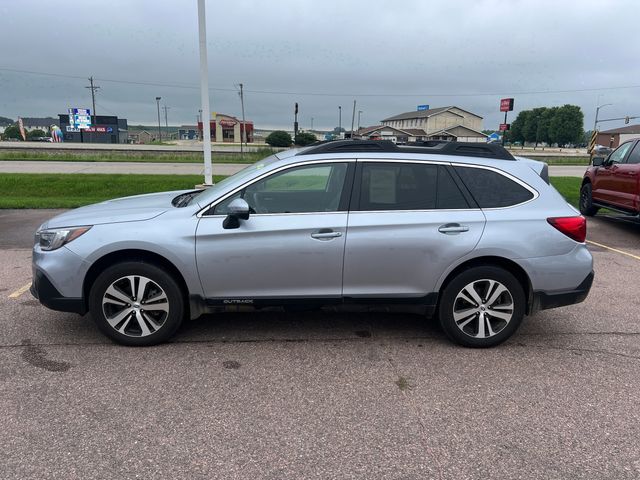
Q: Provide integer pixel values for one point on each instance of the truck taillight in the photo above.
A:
(573, 227)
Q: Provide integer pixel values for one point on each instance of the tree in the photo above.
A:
(566, 126)
(36, 133)
(305, 138)
(279, 138)
(5, 122)
(12, 131)
(542, 133)
(516, 134)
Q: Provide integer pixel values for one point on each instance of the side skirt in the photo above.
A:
(426, 304)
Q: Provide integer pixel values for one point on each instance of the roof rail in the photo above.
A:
(438, 147)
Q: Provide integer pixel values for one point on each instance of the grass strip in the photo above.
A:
(569, 188)
(249, 157)
(38, 190)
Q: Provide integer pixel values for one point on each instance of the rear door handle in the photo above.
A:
(450, 228)
(325, 234)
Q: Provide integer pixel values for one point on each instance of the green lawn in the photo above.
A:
(569, 188)
(250, 157)
(35, 190)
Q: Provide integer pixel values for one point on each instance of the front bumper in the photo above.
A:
(50, 297)
(543, 300)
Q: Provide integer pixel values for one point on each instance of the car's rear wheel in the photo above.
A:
(586, 201)
(136, 303)
(482, 306)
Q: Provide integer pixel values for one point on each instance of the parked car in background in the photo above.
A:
(613, 181)
(463, 231)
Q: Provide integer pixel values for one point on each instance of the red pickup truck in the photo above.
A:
(613, 182)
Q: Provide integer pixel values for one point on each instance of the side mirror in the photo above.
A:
(597, 161)
(238, 210)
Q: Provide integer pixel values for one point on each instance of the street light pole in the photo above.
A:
(339, 119)
(159, 126)
(204, 94)
(359, 113)
(595, 123)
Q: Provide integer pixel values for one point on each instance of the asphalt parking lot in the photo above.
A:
(324, 395)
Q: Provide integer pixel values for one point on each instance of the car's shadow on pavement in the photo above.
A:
(614, 230)
(308, 326)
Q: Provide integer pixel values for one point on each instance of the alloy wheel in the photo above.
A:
(135, 306)
(483, 308)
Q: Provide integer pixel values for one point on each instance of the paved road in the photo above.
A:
(171, 168)
(324, 395)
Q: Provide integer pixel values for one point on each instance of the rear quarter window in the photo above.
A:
(491, 189)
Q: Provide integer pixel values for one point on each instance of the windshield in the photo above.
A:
(209, 194)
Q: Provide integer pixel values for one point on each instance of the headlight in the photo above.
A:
(54, 238)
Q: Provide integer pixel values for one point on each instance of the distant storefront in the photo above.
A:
(104, 129)
(225, 128)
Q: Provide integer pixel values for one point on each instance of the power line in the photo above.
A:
(330, 94)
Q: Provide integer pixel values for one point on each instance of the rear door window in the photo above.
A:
(491, 189)
(408, 186)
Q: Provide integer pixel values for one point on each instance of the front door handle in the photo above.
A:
(451, 228)
(325, 234)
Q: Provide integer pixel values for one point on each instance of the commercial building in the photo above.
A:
(226, 128)
(189, 132)
(614, 137)
(104, 129)
(443, 123)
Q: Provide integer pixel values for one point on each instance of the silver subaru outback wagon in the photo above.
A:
(462, 231)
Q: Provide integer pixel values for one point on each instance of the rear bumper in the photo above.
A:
(50, 297)
(543, 300)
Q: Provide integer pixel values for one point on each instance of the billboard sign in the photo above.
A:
(506, 104)
(80, 118)
(421, 108)
(504, 127)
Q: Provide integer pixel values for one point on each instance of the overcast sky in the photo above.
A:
(388, 56)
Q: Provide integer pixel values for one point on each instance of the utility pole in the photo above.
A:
(311, 123)
(94, 89)
(353, 118)
(339, 119)
(159, 126)
(243, 130)
(204, 94)
(166, 122)
(295, 122)
(359, 113)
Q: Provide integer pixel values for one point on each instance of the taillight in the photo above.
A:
(573, 227)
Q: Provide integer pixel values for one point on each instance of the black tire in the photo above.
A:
(503, 329)
(586, 201)
(161, 325)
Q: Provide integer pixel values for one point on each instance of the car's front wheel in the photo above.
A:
(586, 201)
(482, 306)
(136, 303)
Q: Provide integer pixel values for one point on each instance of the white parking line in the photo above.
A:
(614, 250)
(20, 291)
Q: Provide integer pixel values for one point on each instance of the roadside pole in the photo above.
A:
(243, 132)
(204, 95)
